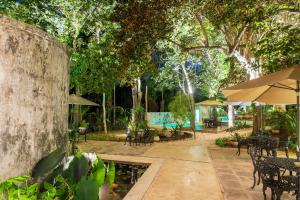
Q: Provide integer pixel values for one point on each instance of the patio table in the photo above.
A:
(286, 164)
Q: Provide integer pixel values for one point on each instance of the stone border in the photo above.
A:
(140, 188)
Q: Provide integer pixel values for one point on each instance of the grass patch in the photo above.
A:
(101, 136)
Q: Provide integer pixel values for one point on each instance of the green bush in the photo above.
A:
(220, 142)
(51, 178)
(238, 125)
(293, 146)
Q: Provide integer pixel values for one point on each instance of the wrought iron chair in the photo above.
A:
(284, 144)
(272, 146)
(129, 136)
(148, 137)
(257, 160)
(275, 180)
(270, 176)
(241, 141)
(287, 184)
(263, 144)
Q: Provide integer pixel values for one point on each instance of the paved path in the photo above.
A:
(235, 175)
(186, 172)
(192, 169)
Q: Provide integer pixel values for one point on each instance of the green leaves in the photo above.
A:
(81, 180)
(78, 168)
(111, 173)
(99, 173)
(87, 189)
(47, 164)
(17, 188)
(179, 107)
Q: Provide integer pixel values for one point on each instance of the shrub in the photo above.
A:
(222, 141)
(238, 126)
(293, 145)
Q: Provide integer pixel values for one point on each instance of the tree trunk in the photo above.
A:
(192, 119)
(139, 92)
(256, 122)
(76, 111)
(162, 103)
(104, 113)
(134, 102)
(114, 112)
(146, 102)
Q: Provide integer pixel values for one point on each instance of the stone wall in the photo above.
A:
(33, 96)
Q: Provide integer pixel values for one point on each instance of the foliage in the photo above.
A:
(238, 125)
(73, 138)
(84, 124)
(79, 178)
(176, 129)
(221, 141)
(221, 112)
(280, 119)
(293, 145)
(104, 137)
(47, 164)
(136, 38)
(179, 107)
(18, 188)
(279, 48)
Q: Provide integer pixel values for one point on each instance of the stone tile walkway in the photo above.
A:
(113, 148)
(191, 169)
(235, 175)
(186, 172)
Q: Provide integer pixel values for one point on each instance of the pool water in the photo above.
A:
(125, 178)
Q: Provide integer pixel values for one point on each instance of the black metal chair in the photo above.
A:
(276, 180)
(129, 137)
(241, 142)
(272, 146)
(270, 176)
(148, 137)
(257, 160)
(284, 144)
(287, 184)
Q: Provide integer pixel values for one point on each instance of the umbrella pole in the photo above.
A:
(298, 117)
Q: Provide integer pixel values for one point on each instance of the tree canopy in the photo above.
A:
(205, 44)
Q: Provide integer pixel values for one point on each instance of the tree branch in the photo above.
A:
(289, 10)
(221, 47)
(202, 28)
(238, 38)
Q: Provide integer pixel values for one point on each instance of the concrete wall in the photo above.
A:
(33, 96)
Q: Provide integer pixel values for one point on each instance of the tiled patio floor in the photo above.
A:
(235, 175)
(192, 169)
(186, 172)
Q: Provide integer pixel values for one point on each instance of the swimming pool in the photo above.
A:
(187, 124)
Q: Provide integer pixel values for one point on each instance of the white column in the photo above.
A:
(230, 115)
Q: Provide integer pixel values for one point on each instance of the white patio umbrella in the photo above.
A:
(210, 103)
(77, 100)
(282, 87)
